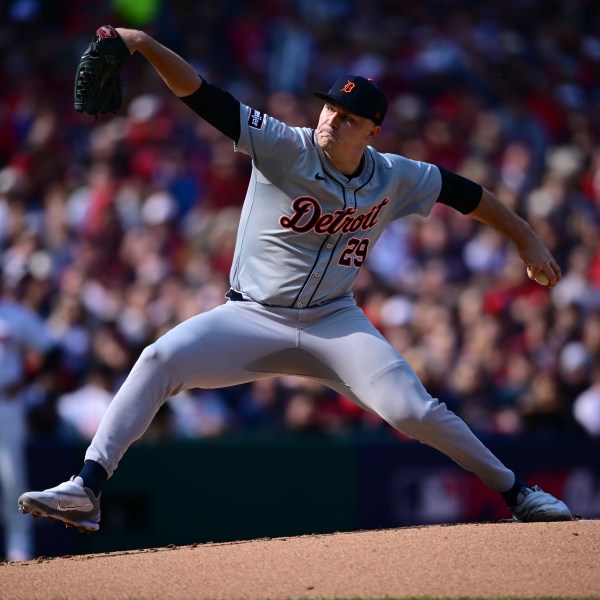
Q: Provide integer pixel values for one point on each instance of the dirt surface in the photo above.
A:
(476, 560)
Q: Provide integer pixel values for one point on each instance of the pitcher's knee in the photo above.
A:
(407, 416)
(413, 411)
(160, 366)
(152, 356)
(402, 400)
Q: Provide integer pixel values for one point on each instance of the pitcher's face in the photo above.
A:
(340, 131)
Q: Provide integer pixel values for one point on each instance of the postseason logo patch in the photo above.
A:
(106, 32)
(255, 119)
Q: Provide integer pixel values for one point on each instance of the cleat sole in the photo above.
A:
(35, 513)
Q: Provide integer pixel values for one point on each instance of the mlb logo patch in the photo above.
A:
(255, 119)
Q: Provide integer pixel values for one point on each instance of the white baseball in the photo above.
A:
(540, 278)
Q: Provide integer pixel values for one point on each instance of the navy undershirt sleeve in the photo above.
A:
(217, 107)
(459, 192)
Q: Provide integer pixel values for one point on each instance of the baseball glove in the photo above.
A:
(98, 88)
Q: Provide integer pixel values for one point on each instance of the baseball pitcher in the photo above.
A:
(317, 201)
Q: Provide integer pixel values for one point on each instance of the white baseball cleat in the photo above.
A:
(538, 505)
(69, 502)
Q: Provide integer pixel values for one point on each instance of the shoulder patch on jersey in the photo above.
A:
(255, 119)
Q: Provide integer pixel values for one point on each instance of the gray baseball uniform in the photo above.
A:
(305, 231)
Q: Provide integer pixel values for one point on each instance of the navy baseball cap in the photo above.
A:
(359, 95)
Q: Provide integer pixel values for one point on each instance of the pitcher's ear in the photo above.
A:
(374, 132)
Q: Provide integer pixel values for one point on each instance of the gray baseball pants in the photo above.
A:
(334, 344)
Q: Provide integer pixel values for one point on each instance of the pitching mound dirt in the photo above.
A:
(474, 560)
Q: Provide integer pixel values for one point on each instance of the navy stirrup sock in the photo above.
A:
(511, 497)
(93, 475)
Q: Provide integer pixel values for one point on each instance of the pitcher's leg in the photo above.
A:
(413, 412)
(209, 350)
(377, 378)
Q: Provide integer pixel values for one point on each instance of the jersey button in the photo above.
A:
(329, 246)
(299, 305)
(317, 274)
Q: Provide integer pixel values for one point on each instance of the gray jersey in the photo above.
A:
(306, 228)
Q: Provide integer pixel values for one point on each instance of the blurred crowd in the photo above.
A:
(115, 229)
